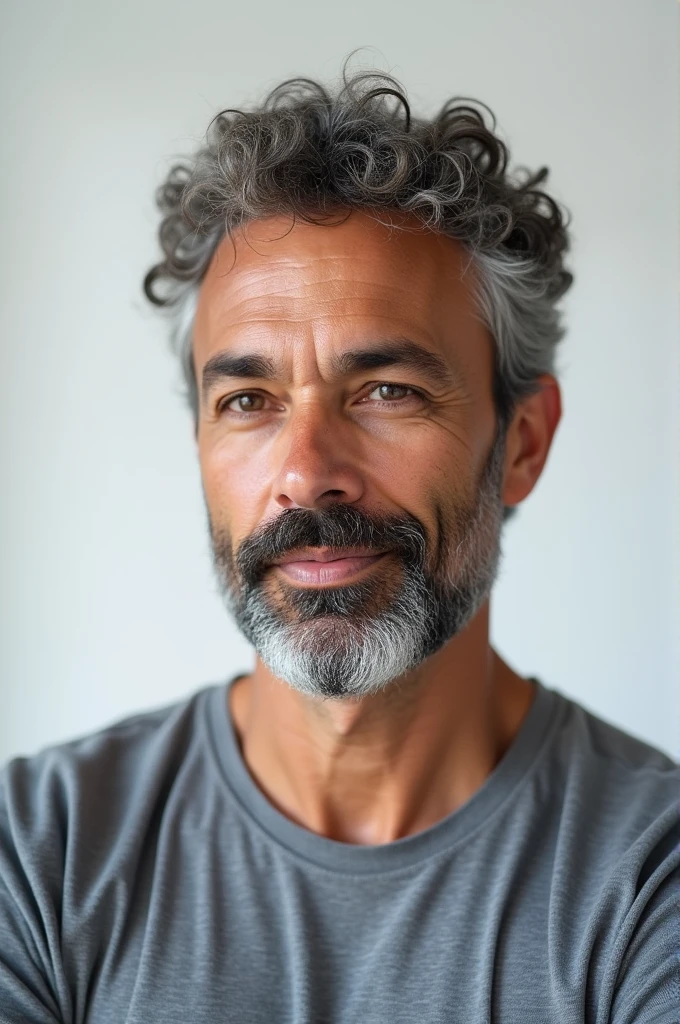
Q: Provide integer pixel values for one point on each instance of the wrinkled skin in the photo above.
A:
(391, 443)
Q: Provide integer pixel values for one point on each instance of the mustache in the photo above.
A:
(336, 526)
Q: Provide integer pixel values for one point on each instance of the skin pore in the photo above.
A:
(376, 768)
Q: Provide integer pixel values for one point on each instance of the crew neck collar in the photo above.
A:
(531, 739)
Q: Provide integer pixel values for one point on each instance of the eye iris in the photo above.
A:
(387, 390)
(247, 402)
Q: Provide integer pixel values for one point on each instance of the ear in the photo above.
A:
(529, 437)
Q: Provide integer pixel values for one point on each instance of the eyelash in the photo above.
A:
(243, 414)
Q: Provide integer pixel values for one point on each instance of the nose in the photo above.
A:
(316, 466)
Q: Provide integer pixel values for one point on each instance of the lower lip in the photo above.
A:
(328, 572)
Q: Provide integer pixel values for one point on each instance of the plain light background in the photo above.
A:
(109, 605)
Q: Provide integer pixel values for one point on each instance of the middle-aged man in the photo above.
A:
(382, 822)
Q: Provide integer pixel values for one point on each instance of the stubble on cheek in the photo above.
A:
(453, 515)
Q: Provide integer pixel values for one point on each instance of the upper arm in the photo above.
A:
(26, 995)
(32, 986)
(647, 984)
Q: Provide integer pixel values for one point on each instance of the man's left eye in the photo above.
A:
(392, 392)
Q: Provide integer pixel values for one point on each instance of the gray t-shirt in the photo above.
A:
(145, 878)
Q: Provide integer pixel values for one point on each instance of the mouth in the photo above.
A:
(321, 566)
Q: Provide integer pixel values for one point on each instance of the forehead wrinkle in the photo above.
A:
(320, 311)
(274, 296)
(320, 267)
(286, 273)
(252, 285)
(376, 268)
(359, 239)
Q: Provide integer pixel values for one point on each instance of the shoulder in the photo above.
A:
(76, 821)
(614, 801)
(90, 788)
(624, 772)
(107, 760)
(620, 833)
(614, 785)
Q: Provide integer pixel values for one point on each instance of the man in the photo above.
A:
(383, 821)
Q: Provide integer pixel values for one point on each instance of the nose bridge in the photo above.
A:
(309, 429)
(315, 457)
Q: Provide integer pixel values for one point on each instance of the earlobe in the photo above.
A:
(529, 438)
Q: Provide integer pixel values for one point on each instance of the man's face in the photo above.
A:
(347, 439)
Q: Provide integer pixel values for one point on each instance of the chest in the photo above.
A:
(252, 936)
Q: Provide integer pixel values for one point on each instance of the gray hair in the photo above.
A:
(313, 154)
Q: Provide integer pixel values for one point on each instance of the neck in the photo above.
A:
(374, 769)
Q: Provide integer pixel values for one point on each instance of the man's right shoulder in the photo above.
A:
(78, 822)
(89, 784)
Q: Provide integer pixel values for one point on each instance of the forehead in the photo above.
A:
(274, 280)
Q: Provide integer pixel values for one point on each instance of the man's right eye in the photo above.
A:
(248, 402)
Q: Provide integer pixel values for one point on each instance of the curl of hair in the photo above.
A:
(315, 155)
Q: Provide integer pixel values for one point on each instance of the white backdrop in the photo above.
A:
(108, 601)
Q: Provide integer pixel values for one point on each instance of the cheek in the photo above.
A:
(434, 475)
(234, 483)
(428, 461)
(430, 480)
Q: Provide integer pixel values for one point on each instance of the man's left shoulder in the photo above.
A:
(620, 843)
(641, 802)
(623, 774)
(619, 799)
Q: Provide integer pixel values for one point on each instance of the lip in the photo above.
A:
(326, 555)
(326, 565)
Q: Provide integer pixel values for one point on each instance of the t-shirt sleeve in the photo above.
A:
(32, 985)
(647, 988)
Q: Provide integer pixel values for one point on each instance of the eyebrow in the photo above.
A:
(399, 352)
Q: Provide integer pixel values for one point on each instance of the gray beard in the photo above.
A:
(355, 640)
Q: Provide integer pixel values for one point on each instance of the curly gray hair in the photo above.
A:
(309, 153)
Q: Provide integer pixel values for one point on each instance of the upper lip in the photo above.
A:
(325, 554)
